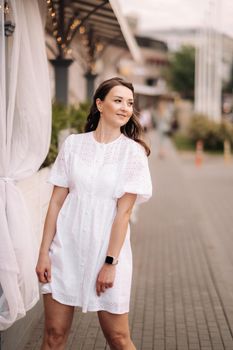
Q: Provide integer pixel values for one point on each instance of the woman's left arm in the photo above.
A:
(107, 273)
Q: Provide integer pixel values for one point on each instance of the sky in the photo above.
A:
(160, 14)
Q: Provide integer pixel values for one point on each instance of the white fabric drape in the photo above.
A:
(25, 122)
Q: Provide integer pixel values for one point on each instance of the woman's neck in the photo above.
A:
(105, 134)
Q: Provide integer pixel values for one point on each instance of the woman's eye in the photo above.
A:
(130, 104)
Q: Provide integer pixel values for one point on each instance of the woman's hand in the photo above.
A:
(105, 278)
(43, 268)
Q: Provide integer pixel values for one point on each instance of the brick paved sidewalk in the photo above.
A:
(183, 263)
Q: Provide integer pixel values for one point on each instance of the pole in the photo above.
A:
(90, 80)
(208, 64)
(61, 68)
(197, 73)
(217, 57)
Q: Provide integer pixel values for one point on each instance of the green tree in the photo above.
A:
(181, 74)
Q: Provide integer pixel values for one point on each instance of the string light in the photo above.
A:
(75, 23)
(63, 42)
(82, 30)
(99, 47)
(6, 8)
(52, 13)
(85, 41)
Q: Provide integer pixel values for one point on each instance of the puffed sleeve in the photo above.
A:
(59, 175)
(136, 177)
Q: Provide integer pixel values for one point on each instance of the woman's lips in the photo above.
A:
(122, 115)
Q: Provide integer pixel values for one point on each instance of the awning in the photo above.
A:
(129, 37)
(103, 19)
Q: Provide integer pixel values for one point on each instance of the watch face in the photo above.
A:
(109, 260)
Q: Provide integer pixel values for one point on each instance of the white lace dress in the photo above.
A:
(97, 175)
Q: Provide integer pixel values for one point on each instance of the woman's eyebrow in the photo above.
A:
(129, 99)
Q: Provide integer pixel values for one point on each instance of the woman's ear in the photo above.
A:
(99, 104)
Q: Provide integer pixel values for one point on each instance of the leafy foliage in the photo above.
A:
(183, 142)
(63, 117)
(181, 73)
(211, 133)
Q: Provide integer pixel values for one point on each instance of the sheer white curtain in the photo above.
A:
(25, 122)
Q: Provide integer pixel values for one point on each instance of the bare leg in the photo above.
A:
(58, 320)
(116, 330)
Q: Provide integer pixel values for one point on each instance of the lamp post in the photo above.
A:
(90, 78)
(61, 66)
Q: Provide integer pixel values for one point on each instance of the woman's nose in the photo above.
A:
(124, 106)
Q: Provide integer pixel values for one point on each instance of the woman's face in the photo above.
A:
(117, 107)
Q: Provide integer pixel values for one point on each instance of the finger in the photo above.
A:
(48, 274)
(42, 277)
(102, 288)
(98, 288)
(38, 274)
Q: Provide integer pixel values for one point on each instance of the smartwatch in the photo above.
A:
(111, 260)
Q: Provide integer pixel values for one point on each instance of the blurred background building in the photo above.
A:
(176, 38)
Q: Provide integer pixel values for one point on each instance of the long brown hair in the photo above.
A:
(132, 128)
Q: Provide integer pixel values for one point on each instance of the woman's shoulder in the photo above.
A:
(76, 138)
(73, 142)
(134, 146)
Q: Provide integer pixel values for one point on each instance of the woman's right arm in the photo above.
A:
(43, 268)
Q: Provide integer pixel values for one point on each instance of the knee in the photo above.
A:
(119, 341)
(55, 337)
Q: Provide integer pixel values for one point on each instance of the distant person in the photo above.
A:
(146, 119)
(163, 127)
(85, 256)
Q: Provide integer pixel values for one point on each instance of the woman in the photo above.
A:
(85, 256)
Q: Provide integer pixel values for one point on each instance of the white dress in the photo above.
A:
(96, 174)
